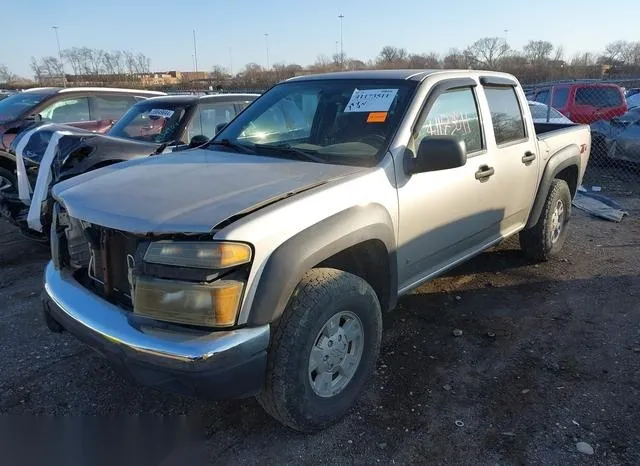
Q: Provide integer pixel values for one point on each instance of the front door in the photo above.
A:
(442, 215)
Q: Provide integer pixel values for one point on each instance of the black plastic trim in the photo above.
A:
(498, 81)
(555, 165)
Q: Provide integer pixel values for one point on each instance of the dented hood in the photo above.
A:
(188, 192)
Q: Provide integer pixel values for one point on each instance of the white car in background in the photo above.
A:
(541, 113)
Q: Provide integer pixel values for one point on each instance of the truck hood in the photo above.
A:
(188, 192)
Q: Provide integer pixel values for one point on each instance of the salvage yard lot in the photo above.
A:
(549, 356)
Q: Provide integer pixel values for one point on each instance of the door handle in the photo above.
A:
(528, 157)
(484, 172)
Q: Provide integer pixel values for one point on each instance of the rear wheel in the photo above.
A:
(323, 351)
(545, 239)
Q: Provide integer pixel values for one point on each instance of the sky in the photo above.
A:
(231, 32)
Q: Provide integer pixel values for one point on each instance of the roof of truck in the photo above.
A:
(406, 75)
(414, 75)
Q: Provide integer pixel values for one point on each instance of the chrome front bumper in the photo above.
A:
(215, 365)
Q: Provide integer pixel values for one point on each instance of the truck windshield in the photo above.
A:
(334, 121)
(16, 105)
(157, 122)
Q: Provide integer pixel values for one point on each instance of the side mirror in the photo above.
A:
(437, 153)
(220, 127)
(198, 140)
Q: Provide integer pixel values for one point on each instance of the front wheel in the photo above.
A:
(544, 240)
(323, 351)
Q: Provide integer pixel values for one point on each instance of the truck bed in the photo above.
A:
(554, 137)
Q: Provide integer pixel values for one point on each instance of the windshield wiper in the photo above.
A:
(242, 148)
(289, 149)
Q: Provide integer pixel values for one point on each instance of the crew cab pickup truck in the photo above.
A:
(260, 263)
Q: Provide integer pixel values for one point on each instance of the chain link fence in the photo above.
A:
(612, 109)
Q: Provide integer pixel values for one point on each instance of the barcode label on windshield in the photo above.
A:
(161, 112)
(371, 100)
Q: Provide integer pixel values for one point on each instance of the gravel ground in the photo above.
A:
(549, 356)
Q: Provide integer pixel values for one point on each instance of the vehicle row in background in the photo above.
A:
(92, 109)
(582, 101)
(152, 126)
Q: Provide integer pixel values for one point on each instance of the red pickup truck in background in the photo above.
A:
(583, 102)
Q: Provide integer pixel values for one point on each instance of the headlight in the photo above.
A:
(197, 254)
(212, 304)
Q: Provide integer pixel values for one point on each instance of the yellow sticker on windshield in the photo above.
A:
(377, 117)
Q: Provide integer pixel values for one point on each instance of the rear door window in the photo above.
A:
(542, 96)
(208, 116)
(598, 96)
(110, 107)
(67, 110)
(506, 115)
(560, 97)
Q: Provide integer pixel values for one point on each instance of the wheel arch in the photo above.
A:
(359, 240)
(563, 165)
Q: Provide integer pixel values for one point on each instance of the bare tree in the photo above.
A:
(322, 64)
(130, 62)
(339, 59)
(455, 59)
(144, 63)
(487, 52)
(113, 62)
(6, 76)
(618, 51)
(635, 54)
(583, 59)
(72, 56)
(392, 56)
(558, 57)
(96, 61)
(37, 70)
(538, 51)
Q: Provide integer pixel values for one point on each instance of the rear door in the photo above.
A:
(513, 147)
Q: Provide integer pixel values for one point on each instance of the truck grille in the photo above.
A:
(103, 258)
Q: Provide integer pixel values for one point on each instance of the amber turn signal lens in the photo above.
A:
(199, 255)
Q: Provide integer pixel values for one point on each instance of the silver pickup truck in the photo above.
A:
(260, 264)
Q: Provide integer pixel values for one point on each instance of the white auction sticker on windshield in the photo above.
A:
(371, 100)
(161, 112)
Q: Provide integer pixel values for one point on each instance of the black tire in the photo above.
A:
(287, 394)
(538, 242)
(6, 174)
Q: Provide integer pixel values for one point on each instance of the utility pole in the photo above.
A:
(266, 39)
(341, 16)
(64, 78)
(195, 51)
(505, 38)
(230, 62)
